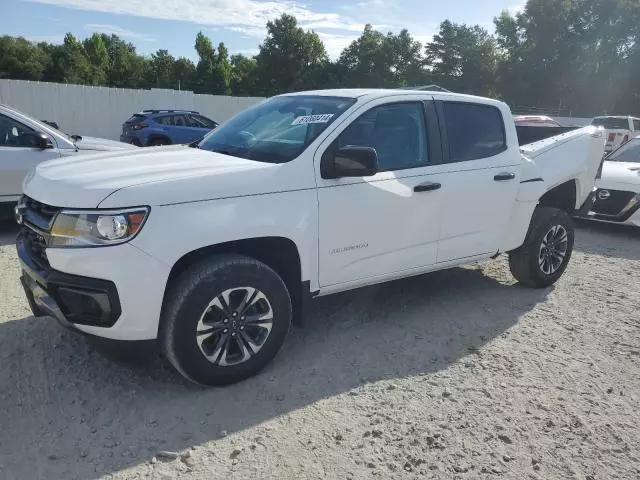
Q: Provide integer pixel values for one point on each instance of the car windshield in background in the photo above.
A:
(630, 152)
(276, 130)
(610, 123)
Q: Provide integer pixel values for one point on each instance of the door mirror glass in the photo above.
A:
(42, 141)
(351, 161)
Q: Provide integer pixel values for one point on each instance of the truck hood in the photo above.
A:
(151, 176)
(620, 176)
(102, 144)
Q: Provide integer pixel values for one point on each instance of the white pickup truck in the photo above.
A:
(212, 250)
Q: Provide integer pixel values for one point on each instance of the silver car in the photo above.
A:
(25, 142)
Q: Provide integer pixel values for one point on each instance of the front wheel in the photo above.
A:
(225, 319)
(547, 249)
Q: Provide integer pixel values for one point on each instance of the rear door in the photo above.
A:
(18, 155)
(483, 168)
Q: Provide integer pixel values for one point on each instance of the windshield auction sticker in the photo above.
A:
(306, 119)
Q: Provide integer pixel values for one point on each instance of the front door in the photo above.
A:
(374, 227)
(18, 156)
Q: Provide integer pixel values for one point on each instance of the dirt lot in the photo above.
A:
(458, 374)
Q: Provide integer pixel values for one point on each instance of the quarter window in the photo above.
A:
(474, 131)
(636, 125)
(397, 132)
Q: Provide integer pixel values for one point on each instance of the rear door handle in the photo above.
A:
(501, 177)
(427, 187)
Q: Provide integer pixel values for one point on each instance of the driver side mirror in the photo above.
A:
(350, 161)
(42, 141)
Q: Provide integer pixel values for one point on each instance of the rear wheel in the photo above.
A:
(225, 319)
(547, 249)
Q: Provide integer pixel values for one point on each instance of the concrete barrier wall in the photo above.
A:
(100, 111)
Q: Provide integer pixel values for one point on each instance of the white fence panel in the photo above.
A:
(100, 111)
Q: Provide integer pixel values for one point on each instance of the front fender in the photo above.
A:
(173, 231)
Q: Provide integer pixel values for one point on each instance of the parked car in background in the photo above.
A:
(618, 195)
(165, 127)
(619, 129)
(213, 251)
(25, 142)
(535, 121)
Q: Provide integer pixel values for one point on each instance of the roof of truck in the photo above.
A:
(384, 92)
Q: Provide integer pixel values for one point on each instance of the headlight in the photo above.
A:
(96, 228)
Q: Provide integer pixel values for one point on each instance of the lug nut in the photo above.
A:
(242, 328)
(226, 320)
(242, 318)
(233, 334)
(235, 314)
(226, 330)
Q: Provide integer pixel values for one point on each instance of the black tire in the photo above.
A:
(525, 262)
(157, 142)
(191, 294)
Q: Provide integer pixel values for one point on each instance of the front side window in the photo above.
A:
(15, 134)
(630, 152)
(276, 130)
(474, 131)
(397, 132)
(201, 122)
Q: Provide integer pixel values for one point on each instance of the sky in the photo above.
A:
(173, 24)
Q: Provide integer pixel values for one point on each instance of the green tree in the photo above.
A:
(290, 58)
(463, 58)
(184, 73)
(22, 60)
(243, 75)
(162, 69)
(98, 57)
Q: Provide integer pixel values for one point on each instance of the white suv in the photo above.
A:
(25, 142)
(213, 250)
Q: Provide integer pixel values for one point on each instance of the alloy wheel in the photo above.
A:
(553, 249)
(234, 326)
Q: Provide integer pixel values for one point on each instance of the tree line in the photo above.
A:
(568, 57)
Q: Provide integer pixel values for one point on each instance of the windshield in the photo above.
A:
(611, 123)
(629, 152)
(276, 130)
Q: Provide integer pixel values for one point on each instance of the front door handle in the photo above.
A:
(427, 187)
(501, 177)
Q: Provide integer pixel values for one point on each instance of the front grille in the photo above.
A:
(37, 245)
(613, 205)
(39, 214)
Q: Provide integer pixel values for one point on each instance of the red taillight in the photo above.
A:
(139, 126)
(625, 139)
(612, 137)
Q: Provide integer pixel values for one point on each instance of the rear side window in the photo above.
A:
(474, 131)
(610, 123)
(636, 124)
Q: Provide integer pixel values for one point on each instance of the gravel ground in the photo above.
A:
(457, 374)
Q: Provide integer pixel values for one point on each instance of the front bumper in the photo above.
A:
(123, 304)
(71, 299)
(625, 210)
